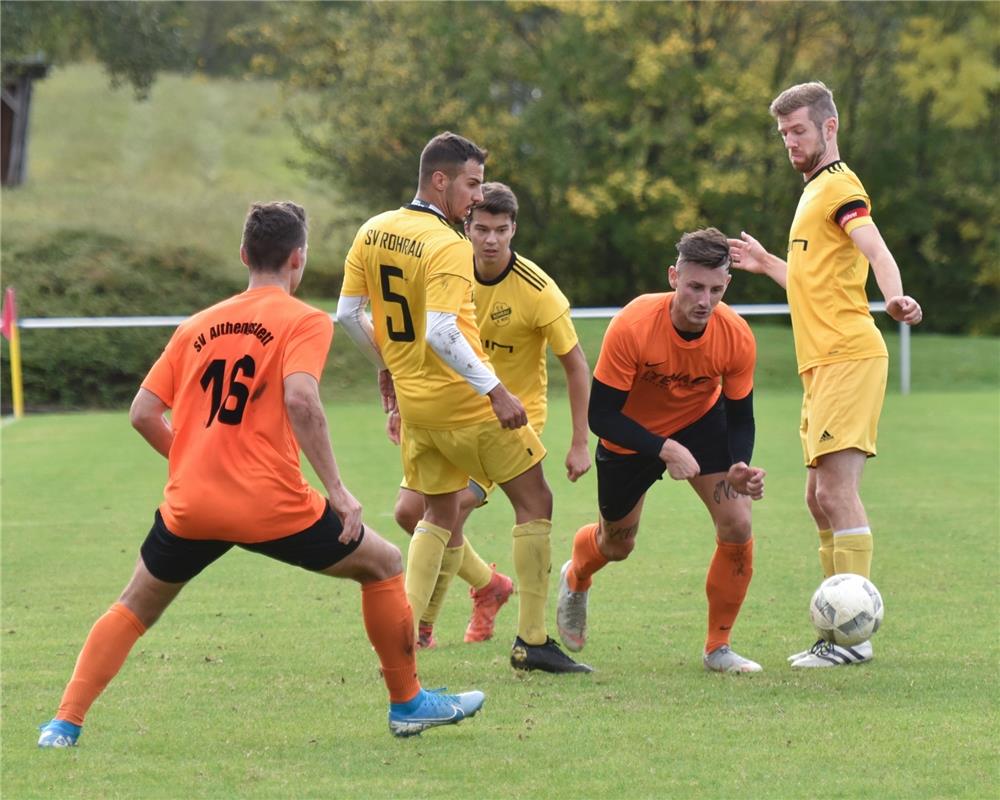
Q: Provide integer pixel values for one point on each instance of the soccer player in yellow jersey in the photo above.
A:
(458, 420)
(841, 356)
(520, 312)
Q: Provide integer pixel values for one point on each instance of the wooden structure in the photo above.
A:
(18, 78)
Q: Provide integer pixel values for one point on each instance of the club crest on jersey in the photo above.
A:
(500, 314)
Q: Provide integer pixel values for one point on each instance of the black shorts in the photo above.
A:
(623, 479)
(174, 559)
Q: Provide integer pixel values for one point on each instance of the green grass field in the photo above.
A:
(259, 682)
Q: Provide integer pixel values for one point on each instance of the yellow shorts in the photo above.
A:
(841, 404)
(443, 461)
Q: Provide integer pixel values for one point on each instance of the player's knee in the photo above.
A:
(733, 531)
(386, 563)
(618, 549)
(407, 514)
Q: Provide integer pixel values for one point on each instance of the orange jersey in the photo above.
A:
(672, 382)
(234, 461)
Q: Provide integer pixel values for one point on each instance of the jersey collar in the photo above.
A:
(429, 208)
(498, 278)
(831, 167)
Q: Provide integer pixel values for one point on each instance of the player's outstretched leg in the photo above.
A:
(486, 604)
(571, 613)
(432, 708)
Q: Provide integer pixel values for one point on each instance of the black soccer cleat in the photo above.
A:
(545, 657)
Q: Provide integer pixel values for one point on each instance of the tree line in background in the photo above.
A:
(619, 125)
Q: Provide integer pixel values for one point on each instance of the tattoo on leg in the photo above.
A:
(724, 489)
(622, 533)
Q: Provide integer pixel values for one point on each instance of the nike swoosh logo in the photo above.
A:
(655, 364)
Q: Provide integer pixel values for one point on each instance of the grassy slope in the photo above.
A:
(179, 168)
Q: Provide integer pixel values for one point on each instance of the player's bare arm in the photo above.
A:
(899, 306)
(147, 416)
(308, 420)
(578, 387)
(749, 255)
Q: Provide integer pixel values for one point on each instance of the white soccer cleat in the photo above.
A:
(571, 614)
(796, 656)
(723, 659)
(828, 654)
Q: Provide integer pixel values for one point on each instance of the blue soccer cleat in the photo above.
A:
(58, 733)
(432, 708)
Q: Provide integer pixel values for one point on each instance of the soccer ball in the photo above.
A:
(846, 609)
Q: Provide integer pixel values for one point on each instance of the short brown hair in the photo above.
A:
(447, 152)
(498, 198)
(271, 232)
(813, 95)
(707, 247)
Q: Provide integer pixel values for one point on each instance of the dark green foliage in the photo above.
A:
(84, 274)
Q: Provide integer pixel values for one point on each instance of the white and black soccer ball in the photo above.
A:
(846, 609)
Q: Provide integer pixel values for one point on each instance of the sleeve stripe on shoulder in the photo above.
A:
(531, 277)
(851, 211)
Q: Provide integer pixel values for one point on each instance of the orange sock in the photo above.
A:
(587, 559)
(107, 646)
(389, 623)
(726, 586)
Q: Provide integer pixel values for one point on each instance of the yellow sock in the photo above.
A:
(473, 570)
(449, 566)
(852, 551)
(532, 563)
(826, 552)
(423, 563)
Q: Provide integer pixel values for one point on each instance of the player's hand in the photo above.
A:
(747, 480)
(747, 254)
(349, 510)
(681, 465)
(507, 407)
(577, 462)
(392, 425)
(904, 309)
(387, 389)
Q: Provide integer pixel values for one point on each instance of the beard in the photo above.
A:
(813, 161)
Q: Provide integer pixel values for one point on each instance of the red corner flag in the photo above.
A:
(8, 317)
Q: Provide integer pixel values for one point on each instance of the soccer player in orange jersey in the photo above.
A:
(841, 356)
(673, 392)
(241, 380)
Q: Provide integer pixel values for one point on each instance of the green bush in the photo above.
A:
(73, 273)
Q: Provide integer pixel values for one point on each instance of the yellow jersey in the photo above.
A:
(410, 261)
(519, 313)
(827, 272)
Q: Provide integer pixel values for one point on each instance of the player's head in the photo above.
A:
(699, 278)
(451, 174)
(274, 235)
(807, 121)
(491, 225)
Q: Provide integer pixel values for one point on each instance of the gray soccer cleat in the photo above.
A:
(571, 614)
(723, 659)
